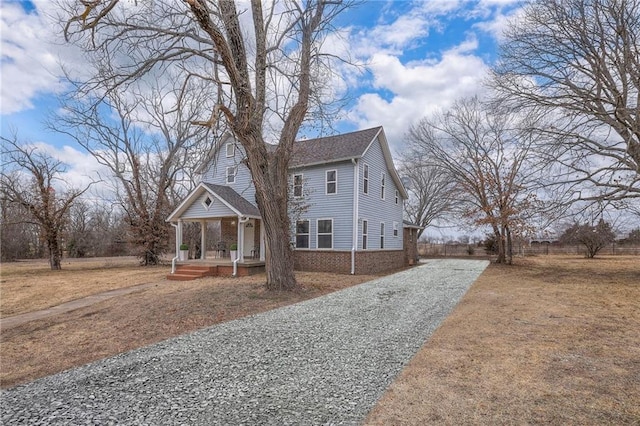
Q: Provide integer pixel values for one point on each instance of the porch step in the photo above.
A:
(192, 272)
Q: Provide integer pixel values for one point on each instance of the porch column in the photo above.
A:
(263, 247)
(203, 239)
(240, 239)
(178, 237)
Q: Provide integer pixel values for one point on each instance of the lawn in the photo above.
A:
(553, 340)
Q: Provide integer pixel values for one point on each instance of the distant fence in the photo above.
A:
(429, 249)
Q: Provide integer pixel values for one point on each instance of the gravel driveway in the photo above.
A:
(322, 361)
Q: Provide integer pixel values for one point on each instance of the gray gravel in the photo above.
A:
(325, 361)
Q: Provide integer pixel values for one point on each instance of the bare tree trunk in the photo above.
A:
(54, 251)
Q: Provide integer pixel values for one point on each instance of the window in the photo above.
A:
(365, 232)
(207, 202)
(231, 175)
(332, 181)
(397, 196)
(231, 149)
(302, 234)
(382, 179)
(395, 229)
(325, 233)
(297, 185)
(381, 235)
(365, 179)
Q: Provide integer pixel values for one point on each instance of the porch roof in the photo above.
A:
(236, 204)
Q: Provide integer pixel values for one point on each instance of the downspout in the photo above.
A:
(175, 259)
(356, 190)
(241, 220)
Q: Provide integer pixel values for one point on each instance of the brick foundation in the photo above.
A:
(367, 262)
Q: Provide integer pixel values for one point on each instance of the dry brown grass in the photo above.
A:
(548, 341)
(28, 286)
(169, 308)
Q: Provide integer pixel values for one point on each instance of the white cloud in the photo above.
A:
(417, 89)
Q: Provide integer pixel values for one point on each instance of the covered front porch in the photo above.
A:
(237, 242)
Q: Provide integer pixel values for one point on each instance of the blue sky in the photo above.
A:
(421, 56)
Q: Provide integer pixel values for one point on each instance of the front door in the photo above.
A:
(249, 234)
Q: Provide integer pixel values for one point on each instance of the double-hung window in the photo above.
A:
(381, 235)
(382, 182)
(297, 185)
(302, 234)
(325, 234)
(365, 179)
(395, 229)
(397, 197)
(365, 233)
(332, 181)
(231, 174)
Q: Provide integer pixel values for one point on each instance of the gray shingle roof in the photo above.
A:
(332, 148)
(234, 199)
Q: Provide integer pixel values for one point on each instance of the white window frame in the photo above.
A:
(327, 182)
(308, 234)
(233, 149)
(235, 172)
(365, 178)
(397, 196)
(395, 229)
(382, 185)
(381, 235)
(318, 234)
(204, 201)
(301, 185)
(365, 234)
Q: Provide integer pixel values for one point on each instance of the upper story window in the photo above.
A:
(365, 179)
(231, 174)
(365, 233)
(332, 181)
(382, 183)
(297, 185)
(397, 196)
(302, 234)
(325, 234)
(231, 149)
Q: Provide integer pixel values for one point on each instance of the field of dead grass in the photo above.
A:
(551, 340)
(123, 323)
(28, 286)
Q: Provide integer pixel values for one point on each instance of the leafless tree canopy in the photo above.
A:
(28, 179)
(580, 61)
(486, 153)
(264, 65)
(431, 192)
(144, 138)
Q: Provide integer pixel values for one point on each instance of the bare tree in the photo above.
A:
(18, 239)
(146, 142)
(594, 238)
(431, 192)
(28, 179)
(486, 153)
(265, 65)
(579, 60)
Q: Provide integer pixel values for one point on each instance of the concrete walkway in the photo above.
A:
(324, 361)
(16, 320)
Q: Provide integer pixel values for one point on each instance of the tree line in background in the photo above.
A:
(557, 133)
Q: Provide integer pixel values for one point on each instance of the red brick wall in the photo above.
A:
(367, 262)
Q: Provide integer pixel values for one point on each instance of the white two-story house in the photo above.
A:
(346, 205)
